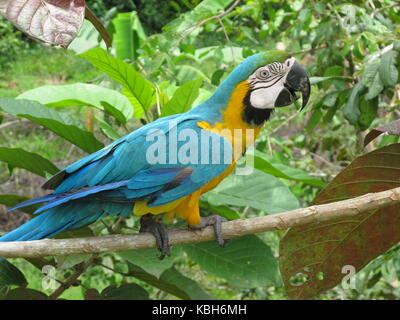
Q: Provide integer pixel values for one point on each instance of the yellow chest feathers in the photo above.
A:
(240, 133)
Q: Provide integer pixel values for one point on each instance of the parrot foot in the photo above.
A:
(148, 223)
(215, 221)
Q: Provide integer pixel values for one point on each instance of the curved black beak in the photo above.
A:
(296, 81)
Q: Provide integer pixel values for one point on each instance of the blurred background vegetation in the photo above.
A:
(342, 44)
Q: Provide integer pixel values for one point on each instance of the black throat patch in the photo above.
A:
(254, 116)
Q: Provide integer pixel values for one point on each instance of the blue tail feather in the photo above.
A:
(72, 215)
(29, 202)
(58, 199)
(66, 197)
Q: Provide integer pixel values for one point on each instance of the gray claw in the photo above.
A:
(159, 231)
(215, 221)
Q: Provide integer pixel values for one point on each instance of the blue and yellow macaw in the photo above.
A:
(128, 176)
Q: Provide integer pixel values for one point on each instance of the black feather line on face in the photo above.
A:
(254, 116)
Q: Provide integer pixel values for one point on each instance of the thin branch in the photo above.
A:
(230, 229)
(228, 40)
(332, 165)
(294, 115)
(10, 123)
(200, 23)
(380, 52)
(323, 46)
(113, 270)
(388, 7)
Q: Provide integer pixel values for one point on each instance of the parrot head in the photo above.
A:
(275, 84)
(272, 79)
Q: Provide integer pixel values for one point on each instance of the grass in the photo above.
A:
(43, 66)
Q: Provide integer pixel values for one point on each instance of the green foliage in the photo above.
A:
(183, 98)
(139, 90)
(144, 259)
(128, 36)
(18, 158)
(257, 190)
(154, 14)
(11, 43)
(171, 281)
(82, 94)
(246, 262)
(10, 275)
(25, 294)
(268, 164)
(351, 51)
(60, 123)
(128, 291)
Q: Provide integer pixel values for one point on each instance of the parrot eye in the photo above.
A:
(263, 74)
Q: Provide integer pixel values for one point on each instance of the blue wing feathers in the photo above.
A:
(109, 181)
(153, 177)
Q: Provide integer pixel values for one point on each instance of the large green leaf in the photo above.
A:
(258, 190)
(58, 122)
(147, 260)
(189, 287)
(183, 98)
(368, 112)
(129, 291)
(223, 211)
(387, 69)
(351, 109)
(18, 158)
(375, 87)
(128, 36)
(173, 282)
(107, 129)
(137, 106)
(124, 42)
(370, 72)
(361, 107)
(10, 275)
(245, 262)
(371, 79)
(79, 94)
(319, 251)
(25, 294)
(114, 112)
(140, 90)
(269, 165)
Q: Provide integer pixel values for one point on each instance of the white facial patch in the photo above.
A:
(265, 98)
(267, 82)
